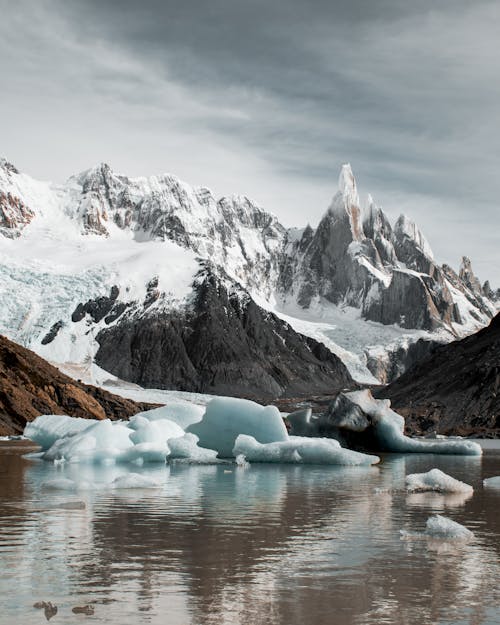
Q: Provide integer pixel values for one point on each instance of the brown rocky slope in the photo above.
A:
(455, 390)
(30, 386)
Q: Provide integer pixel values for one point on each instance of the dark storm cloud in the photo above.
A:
(290, 89)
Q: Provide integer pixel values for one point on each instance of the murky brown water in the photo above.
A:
(263, 545)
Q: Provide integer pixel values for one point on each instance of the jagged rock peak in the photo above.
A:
(8, 166)
(347, 185)
(405, 228)
(467, 276)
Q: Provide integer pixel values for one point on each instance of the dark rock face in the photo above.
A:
(456, 389)
(224, 344)
(14, 215)
(414, 301)
(30, 386)
(393, 364)
(52, 333)
(98, 308)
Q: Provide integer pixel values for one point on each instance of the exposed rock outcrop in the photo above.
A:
(222, 343)
(456, 389)
(30, 386)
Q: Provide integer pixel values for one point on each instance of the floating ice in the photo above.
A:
(186, 448)
(63, 483)
(299, 449)
(388, 429)
(182, 414)
(49, 428)
(134, 480)
(492, 482)
(438, 526)
(437, 481)
(227, 417)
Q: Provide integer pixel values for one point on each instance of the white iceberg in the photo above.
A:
(226, 418)
(183, 414)
(437, 481)
(438, 526)
(186, 448)
(48, 428)
(298, 449)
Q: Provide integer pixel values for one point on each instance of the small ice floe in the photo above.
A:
(435, 481)
(439, 526)
(492, 482)
(63, 483)
(134, 480)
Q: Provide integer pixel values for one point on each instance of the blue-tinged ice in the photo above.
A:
(388, 427)
(227, 417)
(300, 450)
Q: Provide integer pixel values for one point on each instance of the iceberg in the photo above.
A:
(298, 449)
(183, 414)
(436, 481)
(439, 526)
(226, 418)
(359, 411)
(48, 428)
(186, 448)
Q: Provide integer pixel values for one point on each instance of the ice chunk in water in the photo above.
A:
(299, 449)
(182, 414)
(438, 526)
(103, 441)
(388, 428)
(437, 481)
(135, 480)
(48, 428)
(492, 482)
(186, 448)
(227, 417)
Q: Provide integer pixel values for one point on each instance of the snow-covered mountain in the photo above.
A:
(131, 272)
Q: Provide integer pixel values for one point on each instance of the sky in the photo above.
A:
(268, 98)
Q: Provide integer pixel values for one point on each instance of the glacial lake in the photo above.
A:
(267, 544)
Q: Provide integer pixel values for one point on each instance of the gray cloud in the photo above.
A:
(268, 99)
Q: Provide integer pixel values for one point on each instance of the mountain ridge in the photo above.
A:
(103, 229)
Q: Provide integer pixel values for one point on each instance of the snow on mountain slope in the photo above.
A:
(353, 283)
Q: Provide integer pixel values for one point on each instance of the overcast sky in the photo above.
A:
(268, 98)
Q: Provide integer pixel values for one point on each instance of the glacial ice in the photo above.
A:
(230, 427)
(48, 428)
(186, 448)
(135, 480)
(184, 414)
(438, 526)
(437, 481)
(226, 417)
(389, 430)
(492, 482)
(298, 449)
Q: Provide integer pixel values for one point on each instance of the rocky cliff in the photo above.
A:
(30, 386)
(456, 389)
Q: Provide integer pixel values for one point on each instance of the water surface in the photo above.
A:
(267, 544)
